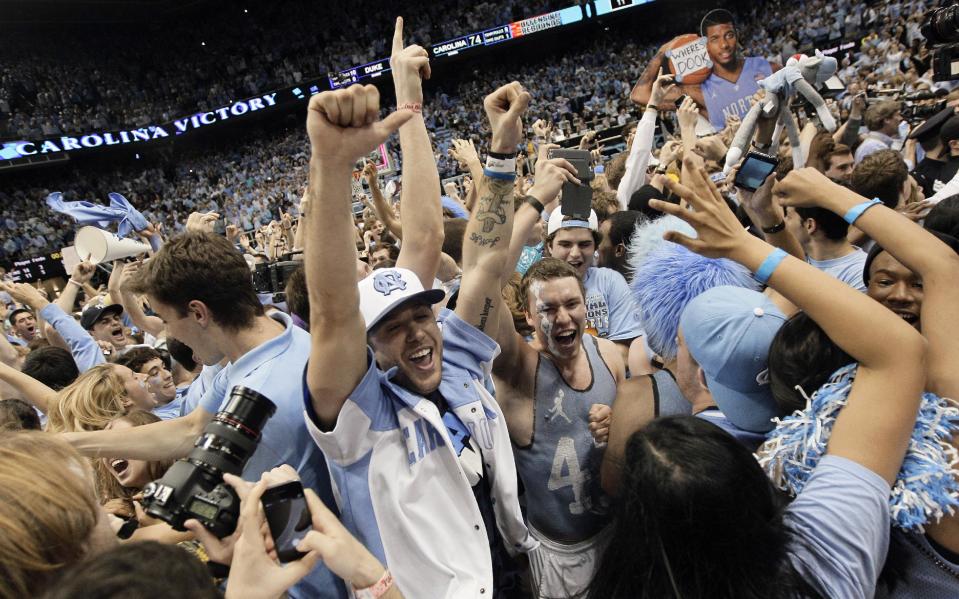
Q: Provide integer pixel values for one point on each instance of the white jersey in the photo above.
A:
(401, 488)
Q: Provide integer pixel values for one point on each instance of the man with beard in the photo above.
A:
(418, 449)
(731, 84)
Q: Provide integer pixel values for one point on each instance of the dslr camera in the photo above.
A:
(193, 487)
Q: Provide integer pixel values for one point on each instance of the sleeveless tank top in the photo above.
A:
(560, 468)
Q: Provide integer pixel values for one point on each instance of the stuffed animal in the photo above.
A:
(802, 74)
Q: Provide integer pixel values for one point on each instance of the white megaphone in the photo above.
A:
(103, 246)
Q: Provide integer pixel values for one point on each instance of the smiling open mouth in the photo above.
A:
(566, 339)
(907, 316)
(119, 466)
(422, 358)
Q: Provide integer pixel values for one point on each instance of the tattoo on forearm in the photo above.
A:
(491, 211)
(484, 315)
(484, 241)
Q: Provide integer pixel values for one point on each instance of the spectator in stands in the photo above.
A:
(882, 121)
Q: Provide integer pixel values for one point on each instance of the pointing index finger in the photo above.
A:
(398, 36)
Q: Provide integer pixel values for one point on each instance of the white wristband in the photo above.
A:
(377, 590)
(77, 283)
(501, 165)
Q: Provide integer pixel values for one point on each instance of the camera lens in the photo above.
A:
(247, 411)
(193, 487)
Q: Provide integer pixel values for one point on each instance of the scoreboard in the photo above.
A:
(37, 268)
(488, 37)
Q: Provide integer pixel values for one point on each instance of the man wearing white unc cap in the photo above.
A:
(418, 450)
(728, 330)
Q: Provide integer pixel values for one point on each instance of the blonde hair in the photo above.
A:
(89, 403)
(108, 487)
(48, 511)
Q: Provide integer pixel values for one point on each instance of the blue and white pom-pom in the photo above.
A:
(926, 488)
(667, 279)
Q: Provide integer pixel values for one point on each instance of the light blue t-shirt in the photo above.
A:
(724, 98)
(847, 269)
(198, 387)
(840, 525)
(611, 309)
(171, 410)
(275, 369)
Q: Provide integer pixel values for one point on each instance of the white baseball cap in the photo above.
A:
(556, 222)
(387, 288)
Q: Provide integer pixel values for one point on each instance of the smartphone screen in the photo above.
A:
(289, 518)
(754, 170)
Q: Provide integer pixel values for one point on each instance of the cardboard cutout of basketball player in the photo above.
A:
(723, 86)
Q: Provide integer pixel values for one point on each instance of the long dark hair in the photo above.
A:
(696, 518)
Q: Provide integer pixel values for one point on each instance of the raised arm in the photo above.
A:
(639, 153)
(381, 207)
(82, 273)
(420, 198)
(874, 427)
(84, 349)
(550, 176)
(486, 244)
(31, 390)
(151, 324)
(935, 263)
(766, 213)
(342, 127)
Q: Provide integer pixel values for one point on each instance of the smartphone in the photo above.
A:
(288, 517)
(577, 199)
(754, 170)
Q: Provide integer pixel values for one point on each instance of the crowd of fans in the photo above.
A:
(226, 53)
(583, 89)
(491, 378)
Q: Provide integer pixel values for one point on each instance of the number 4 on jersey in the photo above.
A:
(565, 460)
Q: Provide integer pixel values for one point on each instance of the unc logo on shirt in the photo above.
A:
(387, 282)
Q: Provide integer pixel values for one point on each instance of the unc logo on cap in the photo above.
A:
(389, 281)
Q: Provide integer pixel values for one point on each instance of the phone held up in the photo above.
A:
(288, 517)
(577, 199)
(754, 169)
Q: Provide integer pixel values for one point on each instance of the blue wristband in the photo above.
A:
(496, 175)
(857, 210)
(766, 269)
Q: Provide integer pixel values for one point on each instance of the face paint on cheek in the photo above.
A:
(536, 288)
